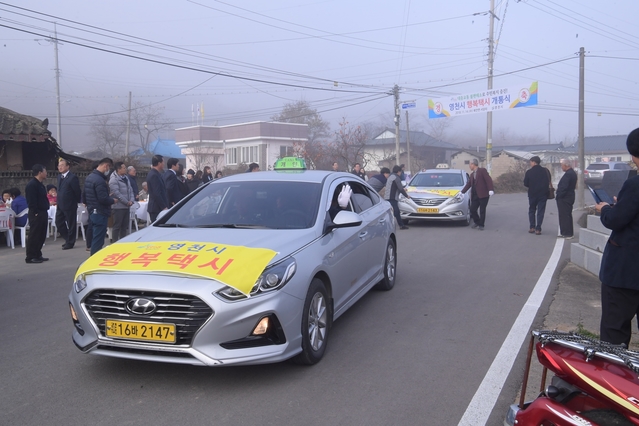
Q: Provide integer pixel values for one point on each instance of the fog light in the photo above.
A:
(73, 314)
(261, 327)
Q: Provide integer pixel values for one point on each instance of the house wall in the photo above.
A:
(461, 160)
(503, 163)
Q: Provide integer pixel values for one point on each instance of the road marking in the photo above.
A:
(484, 399)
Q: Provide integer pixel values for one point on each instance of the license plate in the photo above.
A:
(427, 210)
(147, 331)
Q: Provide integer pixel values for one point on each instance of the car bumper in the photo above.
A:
(223, 337)
(449, 212)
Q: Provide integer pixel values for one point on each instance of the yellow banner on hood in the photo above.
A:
(236, 266)
(445, 192)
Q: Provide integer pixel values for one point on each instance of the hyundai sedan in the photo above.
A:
(251, 268)
(436, 195)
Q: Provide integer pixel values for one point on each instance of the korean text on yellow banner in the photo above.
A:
(236, 266)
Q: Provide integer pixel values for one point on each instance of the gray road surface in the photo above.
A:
(411, 356)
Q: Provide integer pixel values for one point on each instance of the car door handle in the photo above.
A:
(363, 234)
(382, 220)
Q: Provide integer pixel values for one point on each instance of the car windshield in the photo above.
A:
(271, 205)
(437, 180)
(598, 167)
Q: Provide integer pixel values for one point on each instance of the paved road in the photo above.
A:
(411, 356)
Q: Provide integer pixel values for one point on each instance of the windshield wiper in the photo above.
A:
(172, 225)
(233, 225)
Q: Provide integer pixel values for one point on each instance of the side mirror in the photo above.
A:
(345, 219)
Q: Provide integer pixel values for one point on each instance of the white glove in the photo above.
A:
(344, 196)
(491, 193)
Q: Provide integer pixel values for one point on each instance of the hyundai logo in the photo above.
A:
(141, 306)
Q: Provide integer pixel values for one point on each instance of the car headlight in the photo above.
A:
(79, 284)
(272, 278)
(458, 198)
(403, 199)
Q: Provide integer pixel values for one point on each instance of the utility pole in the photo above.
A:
(408, 143)
(396, 96)
(128, 131)
(582, 161)
(491, 60)
(57, 83)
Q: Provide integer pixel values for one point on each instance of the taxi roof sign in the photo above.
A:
(290, 163)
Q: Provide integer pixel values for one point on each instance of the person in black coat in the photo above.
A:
(158, 200)
(69, 195)
(619, 278)
(565, 197)
(38, 203)
(99, 202)
(537, 180)
(172, 183)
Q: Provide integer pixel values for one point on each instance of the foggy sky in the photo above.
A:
(245, 59)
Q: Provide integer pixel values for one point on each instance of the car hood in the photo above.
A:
(284, 242)
(432, 192)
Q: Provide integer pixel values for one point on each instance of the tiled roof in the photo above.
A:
(14, 124)
(602, 144)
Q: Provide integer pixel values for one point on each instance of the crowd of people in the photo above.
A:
(110, 191)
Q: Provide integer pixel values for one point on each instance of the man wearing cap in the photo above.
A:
(481, 188)
(537, 180)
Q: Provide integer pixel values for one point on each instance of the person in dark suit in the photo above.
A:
(565, 197)
(619, 279)
(481, 188)
(38, 203)
(172, 183)
(69, 195)
(158, 200)
(537, 181)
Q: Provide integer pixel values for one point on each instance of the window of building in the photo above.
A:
(466, 162)
(286, 151)
(250, 154)
(231, 156)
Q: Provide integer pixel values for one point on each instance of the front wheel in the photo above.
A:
(390, 268)
(317, 319)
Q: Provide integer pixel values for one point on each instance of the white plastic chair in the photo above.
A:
(79, 226)
(23, 229)
(133, 220)
(54, 229)
(6, 226)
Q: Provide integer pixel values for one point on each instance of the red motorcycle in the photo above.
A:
(595, 383)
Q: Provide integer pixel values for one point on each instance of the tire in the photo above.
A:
(390, 268)
(317, 319)
(467, 220)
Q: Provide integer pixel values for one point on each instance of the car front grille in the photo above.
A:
(428, 202)
(187, 312)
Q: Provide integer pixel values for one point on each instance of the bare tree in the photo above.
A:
(147, 121)
(349, 145)
(314, 149)
(202, 156)
(108, 133)
(439, 127)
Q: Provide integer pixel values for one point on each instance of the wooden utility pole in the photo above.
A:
(408, 144)
(582, 161)
(491, 60)
(57, 83)
(128, 130)
(396, 97)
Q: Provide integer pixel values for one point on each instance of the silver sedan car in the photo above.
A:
(249, 269)
(436, 195)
